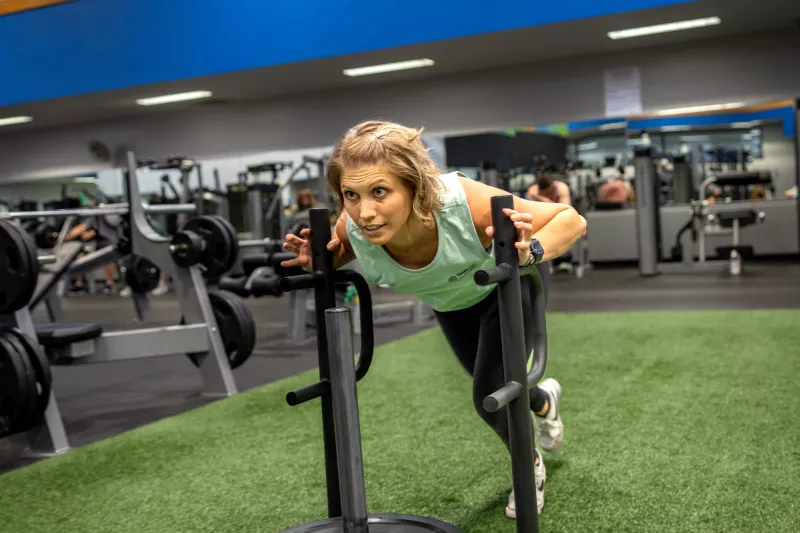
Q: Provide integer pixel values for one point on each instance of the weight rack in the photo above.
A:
(50, 437)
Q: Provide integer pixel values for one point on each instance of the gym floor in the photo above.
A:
(102, 401)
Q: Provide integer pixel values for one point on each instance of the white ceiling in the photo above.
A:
(476, 53)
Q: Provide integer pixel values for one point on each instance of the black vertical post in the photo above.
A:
(324, 298)
(217, 184)
(198, 200)
(348, 426)
(648, 222)
(520, 424)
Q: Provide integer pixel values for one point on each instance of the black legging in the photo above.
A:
(474, 335)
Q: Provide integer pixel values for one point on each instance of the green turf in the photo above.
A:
(676, 422)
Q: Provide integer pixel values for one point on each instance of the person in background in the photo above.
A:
(616, 191)
(758, 193)
(549, 190)
(305, 201)
(85, 232)
(714, 194)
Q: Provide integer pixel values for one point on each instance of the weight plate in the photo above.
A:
(19, 267)
(218, 256)
(141, 274)
(15, 392)
(33, 252)
(186, 248)
(46, 236)
(41, 366)
(236, 327)
(31, 416)
(236, 324)
(234, 238)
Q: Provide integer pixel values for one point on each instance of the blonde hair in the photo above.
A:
(397, 147)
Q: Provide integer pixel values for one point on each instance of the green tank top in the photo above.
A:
(446, 284)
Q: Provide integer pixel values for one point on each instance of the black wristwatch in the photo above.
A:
(536, 250)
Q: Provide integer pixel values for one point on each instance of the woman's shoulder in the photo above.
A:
(478, 199)
(450, 180)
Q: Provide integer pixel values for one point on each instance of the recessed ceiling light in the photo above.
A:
(746, 124)
(675, 128)
(664, 28)
(700, 108)
(10, 121)
(171, 98)
(696, 138)
(612, 126)
(388, 67)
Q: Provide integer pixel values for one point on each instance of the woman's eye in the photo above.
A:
(380, 191)
(350, 195)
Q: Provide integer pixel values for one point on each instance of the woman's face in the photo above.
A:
(376, 200)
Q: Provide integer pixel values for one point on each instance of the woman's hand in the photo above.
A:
(523, 223)
(301, 247)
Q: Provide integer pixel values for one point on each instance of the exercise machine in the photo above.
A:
(214, 330)
(261, 195)
(347, 503)
(703, 222)
(76, 258)
(185, 166)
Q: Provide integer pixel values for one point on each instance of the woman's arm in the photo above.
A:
(556, 226)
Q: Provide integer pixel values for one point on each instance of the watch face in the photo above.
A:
(536, 247)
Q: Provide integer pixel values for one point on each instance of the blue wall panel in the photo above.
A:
(94, 45)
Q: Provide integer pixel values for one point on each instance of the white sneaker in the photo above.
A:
(540, 481)
(161, 290)
(565, 267)
(125, 292)
(550, 428)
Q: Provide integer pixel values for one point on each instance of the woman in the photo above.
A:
(425, 233)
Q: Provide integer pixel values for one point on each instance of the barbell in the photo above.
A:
(103, 210)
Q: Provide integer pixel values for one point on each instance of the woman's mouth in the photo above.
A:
(372, 228)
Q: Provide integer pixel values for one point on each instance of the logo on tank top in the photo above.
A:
(461, 274)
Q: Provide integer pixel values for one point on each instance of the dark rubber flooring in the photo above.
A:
(99, 401)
